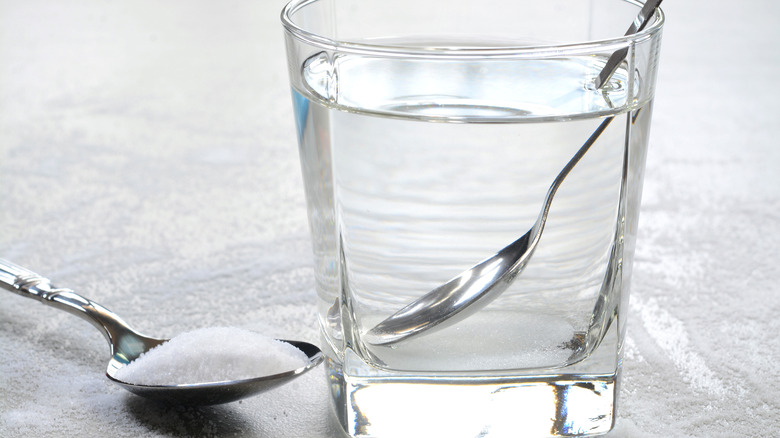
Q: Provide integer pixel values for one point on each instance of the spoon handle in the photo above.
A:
(28, 284)
(639, 24)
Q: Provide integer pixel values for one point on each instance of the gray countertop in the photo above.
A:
(148, 160)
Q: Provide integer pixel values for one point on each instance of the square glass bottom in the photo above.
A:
(577, 400)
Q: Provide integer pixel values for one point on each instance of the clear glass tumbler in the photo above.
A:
(429, 134)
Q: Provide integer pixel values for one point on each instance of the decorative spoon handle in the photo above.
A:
(28, 284)
(24, 282)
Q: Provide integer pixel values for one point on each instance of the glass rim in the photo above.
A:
(584, 47)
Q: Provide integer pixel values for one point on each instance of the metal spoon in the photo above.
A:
(127, 344)
(474, 288)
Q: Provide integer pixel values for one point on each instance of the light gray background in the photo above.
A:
(148, 160)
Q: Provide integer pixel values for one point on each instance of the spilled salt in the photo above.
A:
(212, 355)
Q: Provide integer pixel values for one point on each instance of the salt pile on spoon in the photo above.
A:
(212, 355)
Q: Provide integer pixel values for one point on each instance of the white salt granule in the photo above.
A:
(212, 355)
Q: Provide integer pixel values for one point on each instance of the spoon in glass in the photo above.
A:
(474, 288)
(127, 344)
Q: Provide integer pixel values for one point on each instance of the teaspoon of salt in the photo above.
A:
(250, 368)
(215, 354)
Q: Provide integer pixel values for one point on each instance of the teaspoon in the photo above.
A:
(474, 288)
(126, 345)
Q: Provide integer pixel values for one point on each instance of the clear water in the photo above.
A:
(417, 170)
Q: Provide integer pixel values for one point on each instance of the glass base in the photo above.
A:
(568, 401)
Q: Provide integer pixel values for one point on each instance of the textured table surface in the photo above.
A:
(148, 160)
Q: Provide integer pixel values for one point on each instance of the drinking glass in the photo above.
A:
(429, 133)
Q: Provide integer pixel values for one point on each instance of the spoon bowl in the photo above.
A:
(126, 345)
(213, 393)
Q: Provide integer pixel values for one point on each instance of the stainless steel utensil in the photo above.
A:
(127, 344)
(474, 288)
